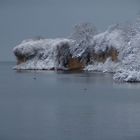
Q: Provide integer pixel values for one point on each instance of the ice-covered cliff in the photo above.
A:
(117, 50)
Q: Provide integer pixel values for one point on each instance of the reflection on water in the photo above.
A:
(67, 106)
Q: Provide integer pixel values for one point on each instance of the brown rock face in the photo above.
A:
(113, 53)
(75, 64)
(21, 59)
(102, 56)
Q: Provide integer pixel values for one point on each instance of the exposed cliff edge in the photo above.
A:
(117, 50)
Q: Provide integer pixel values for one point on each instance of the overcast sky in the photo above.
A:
(22, 19)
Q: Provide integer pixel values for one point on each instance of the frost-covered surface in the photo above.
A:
(83, 35)
(108, 66)
(127, 42)
(127, 76)
(43, 54)
(110, 38)
(84, 44)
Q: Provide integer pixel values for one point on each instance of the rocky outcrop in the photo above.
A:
(58, 54)
(116, 50)
(43, 54)
(75, 64)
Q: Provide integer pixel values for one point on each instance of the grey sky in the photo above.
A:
(22, 19)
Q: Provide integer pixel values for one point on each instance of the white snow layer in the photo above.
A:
(43, 53)
(53, 53)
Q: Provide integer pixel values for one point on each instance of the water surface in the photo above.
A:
(67, 106)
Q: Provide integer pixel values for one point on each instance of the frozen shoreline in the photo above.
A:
(116, 50)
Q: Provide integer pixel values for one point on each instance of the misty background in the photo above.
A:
(22, 19)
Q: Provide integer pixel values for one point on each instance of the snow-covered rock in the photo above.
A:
(43, 54)
(117, 50)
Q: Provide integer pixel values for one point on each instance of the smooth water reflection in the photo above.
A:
(67, 106)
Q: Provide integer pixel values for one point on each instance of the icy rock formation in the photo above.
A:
(43, 54)
(117, 50)
(105, 50)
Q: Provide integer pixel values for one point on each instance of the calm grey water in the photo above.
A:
(67, 106)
